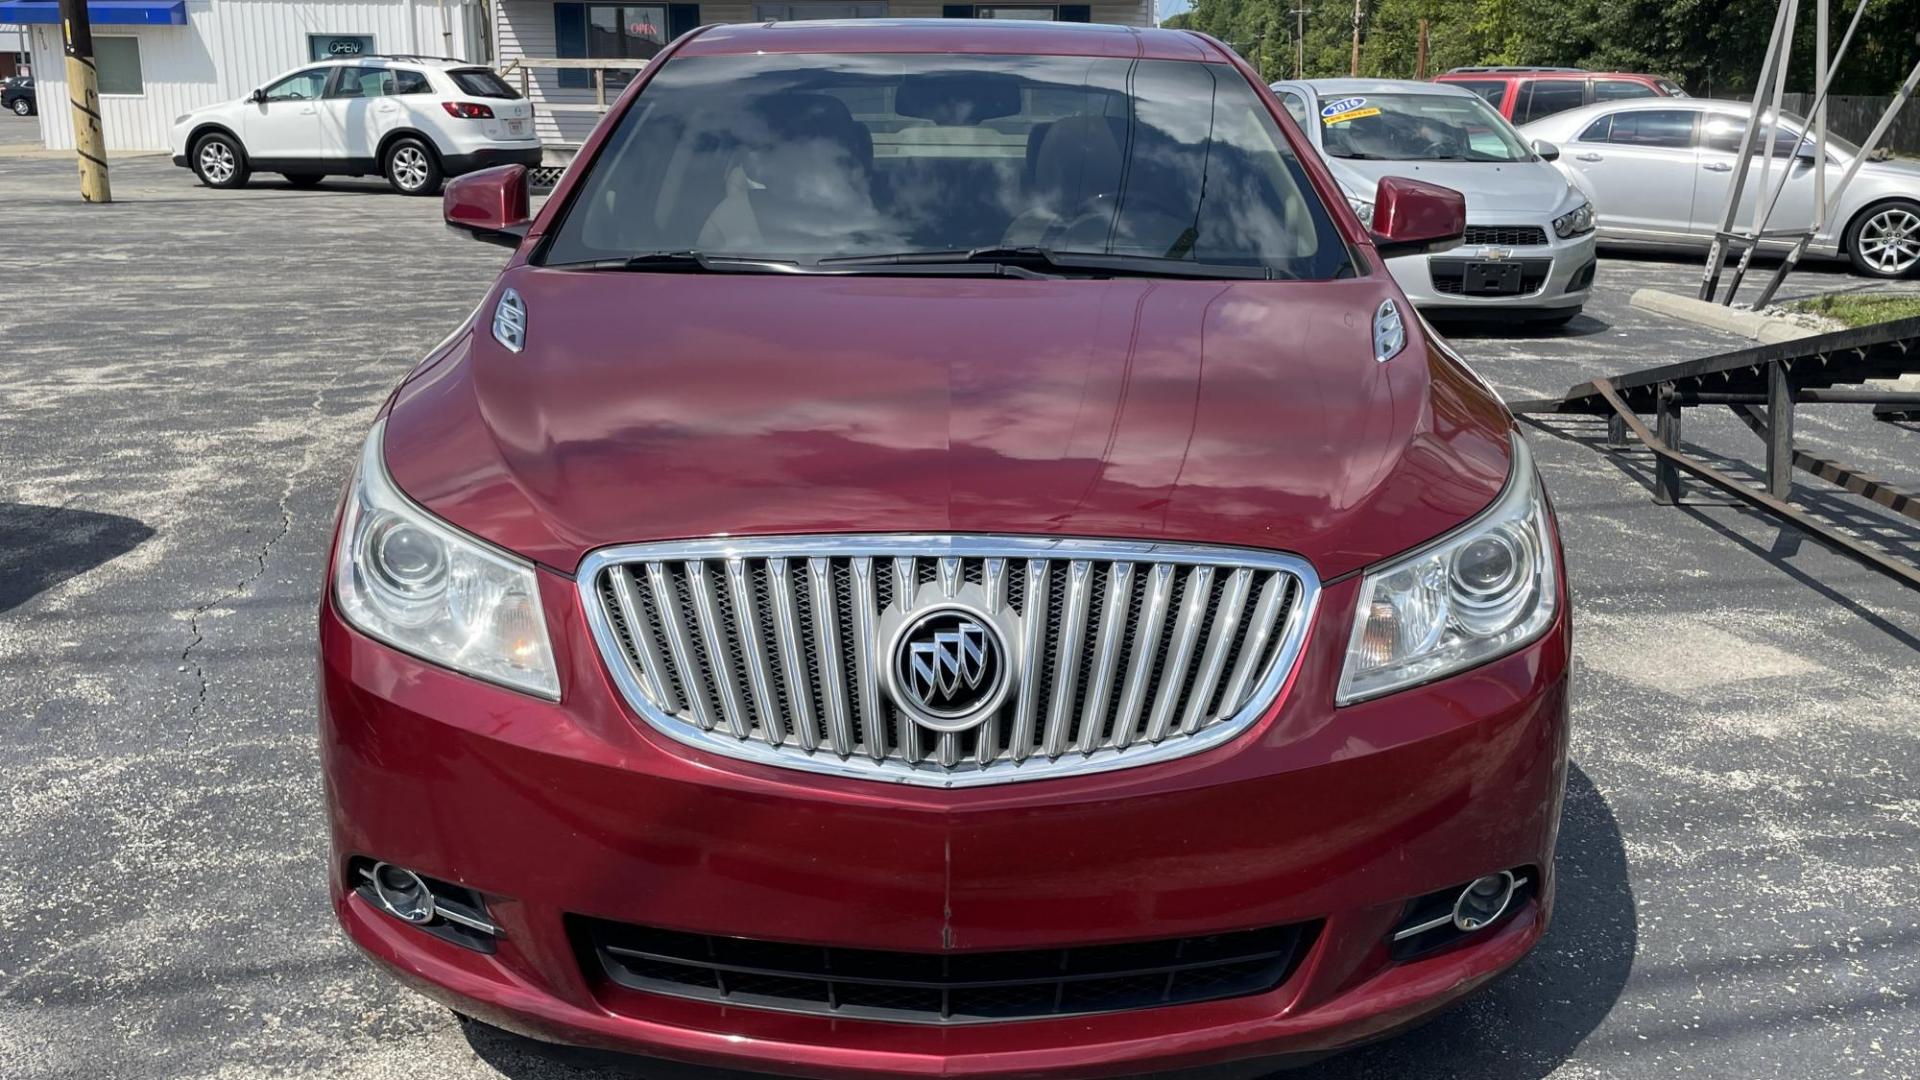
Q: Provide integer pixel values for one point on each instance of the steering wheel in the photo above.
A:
(1090, 210)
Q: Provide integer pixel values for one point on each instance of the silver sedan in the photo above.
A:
(1660, 170)
(1529, 247)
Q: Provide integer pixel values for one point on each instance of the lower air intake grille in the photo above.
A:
(1505, 235)
(945, 988)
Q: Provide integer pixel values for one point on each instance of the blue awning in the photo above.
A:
(101, 12)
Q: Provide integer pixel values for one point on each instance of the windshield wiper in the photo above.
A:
(689, 261)
(1043, 258)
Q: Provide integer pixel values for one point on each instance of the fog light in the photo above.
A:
(403, 894)
(1483, 901)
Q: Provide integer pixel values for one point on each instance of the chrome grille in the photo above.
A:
(1119, 653)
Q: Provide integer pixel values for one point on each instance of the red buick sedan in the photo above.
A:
(946, 553)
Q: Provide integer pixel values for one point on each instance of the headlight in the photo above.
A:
(1363, 208)
(1574, 222)
(408, 579)
(1477, 593)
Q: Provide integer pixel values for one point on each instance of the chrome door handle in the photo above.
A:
(1717, 166)
(308, 111)
(1586, 157)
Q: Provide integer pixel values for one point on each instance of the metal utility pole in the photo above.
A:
(1420, 58)
(1356, 38)
(83, 94)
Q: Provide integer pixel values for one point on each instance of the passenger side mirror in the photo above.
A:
(1546, 150)
(490, 205)
(1412, 216)
(258, 97)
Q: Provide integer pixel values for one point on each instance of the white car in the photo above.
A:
(414, 120)
(1528, 250)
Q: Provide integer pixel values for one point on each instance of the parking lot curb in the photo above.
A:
(1748, 324)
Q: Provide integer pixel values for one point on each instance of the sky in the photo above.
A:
(1166, 9)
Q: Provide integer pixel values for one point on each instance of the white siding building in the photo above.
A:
(568, 30)
(161, 58)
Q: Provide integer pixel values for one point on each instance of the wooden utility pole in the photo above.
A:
(1356, 38)
(1420, 58)
(1300, 41)
(83, 95)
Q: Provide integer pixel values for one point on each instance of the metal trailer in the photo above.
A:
(1764, 386)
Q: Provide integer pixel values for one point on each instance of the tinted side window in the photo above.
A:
(1620, 89)
(1494, 91)
(1596, 131)
(1723, 133)
(1670, 129)
(409, 82)
(303, 86)
(360, 83)
(1544, 97)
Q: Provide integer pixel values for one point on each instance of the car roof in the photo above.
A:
(980, 36)
(1692, 104)
(439, 63)
(1347, 87)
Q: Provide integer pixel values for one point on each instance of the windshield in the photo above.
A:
(1418, 127)
(801, 158)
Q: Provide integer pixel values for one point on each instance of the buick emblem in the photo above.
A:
(948, 669)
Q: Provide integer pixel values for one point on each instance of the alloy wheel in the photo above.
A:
(410, 167)
(1890, 241)
(21, 108)
(216, 162)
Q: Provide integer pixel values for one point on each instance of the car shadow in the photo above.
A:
(42, 546)
(1468, 328)
(1521, 1027)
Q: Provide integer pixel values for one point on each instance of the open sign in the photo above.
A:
(323, 46)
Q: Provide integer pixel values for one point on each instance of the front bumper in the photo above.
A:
(579, 809)
(1563, 270)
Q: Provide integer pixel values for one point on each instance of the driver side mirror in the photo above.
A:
(490, 205)
(1411, 217)
(1546, 150)
(258, 97)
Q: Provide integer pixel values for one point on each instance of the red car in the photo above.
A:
(1526, 94)
(945, 553)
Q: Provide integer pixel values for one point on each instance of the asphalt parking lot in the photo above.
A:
(188, 375)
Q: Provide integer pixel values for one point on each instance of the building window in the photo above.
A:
(802, 10)
(1042, 12)
(337, 46)
(119, 61)
(616, 32)
(626, 32)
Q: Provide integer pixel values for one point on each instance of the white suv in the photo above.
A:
(415, 120)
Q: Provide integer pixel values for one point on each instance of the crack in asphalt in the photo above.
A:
(245, 585)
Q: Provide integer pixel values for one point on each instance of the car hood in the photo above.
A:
(659, 406)
(1494, 190)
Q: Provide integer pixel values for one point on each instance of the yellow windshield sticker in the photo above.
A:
(1350, 114)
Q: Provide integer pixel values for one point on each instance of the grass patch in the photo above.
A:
(1862, 310)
